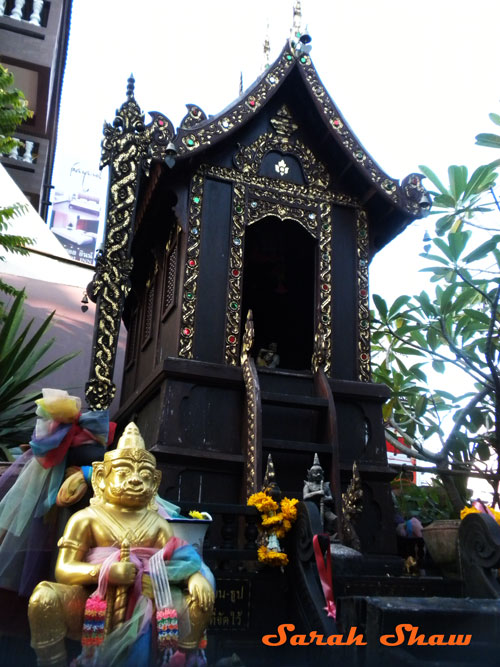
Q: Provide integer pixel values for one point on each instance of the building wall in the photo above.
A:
(34, 48)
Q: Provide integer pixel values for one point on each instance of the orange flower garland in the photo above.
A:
(274, 524)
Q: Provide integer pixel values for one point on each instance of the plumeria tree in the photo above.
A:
(450, 415)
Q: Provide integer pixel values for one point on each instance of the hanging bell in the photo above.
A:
(170, 153)
(84, 302)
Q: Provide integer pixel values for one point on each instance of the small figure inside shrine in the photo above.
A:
(269, 357)
(317, 490)
(121, 545)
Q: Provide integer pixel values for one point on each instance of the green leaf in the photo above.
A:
(438, 366)
(444, 201)
(481, 180)
(443, 246)
(381, 306)
(444, 224)
(396, 306)
(486, 139)
(495, 118)
(434, 179)
(484, 249)
(458, 180)
(458, 241)
(478, 316)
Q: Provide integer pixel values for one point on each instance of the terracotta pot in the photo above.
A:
(441, 540)
(191, 530)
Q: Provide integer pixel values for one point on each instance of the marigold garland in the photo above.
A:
(271, 557)
(474, 510)
(263, 502)
(274, 524)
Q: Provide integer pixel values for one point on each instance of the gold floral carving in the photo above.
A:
(352, 505)
(364, 371)
(192, 268)
(128, 145)
(251, 381)
(234, 292)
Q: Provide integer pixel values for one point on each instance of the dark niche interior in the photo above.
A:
(279, 288)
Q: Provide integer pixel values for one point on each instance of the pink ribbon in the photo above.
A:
(324, 566)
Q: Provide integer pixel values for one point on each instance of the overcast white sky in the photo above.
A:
(415, 80)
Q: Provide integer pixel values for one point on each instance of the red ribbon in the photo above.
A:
(324, 566)
(75, 437)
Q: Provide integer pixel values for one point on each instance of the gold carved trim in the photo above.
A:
(127, 146)
(323, 336)
(205, 134)
(253, 414)
(192, 268)
(346, 137)
(235, 277)
(364, 370)
(249, 158)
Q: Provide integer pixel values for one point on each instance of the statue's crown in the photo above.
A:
(131, 441)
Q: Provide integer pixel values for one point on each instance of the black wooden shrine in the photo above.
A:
(274, 206)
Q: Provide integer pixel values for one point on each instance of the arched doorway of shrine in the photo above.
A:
(279, 287)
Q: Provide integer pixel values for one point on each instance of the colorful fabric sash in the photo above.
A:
(27, 536)
(325, 575)
(181, 560)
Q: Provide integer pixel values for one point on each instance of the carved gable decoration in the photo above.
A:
(277, 154)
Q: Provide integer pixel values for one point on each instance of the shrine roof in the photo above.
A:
(197, 133)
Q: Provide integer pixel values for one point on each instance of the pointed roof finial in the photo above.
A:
(267, 48)
(296, 30)
(130, 86)
(241, 83)
(316, 460)
(269, 476)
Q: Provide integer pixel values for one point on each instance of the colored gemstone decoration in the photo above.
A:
(186, 331)
(288, 57)
(362, 262)
(225, 123)
(237, 241)
(325, 257)
(189, 295)
(251, 102)
(235, 272)
(231, 339)
(312, 216)
(364, 356)
(195, 111)
(325, 287)
(336, 122)
(359, 155)
(196, 200)
(362, 233)
(324, 318)
(326, 225)
(160, 122)
(363, 292)
(192, 262)
(272, 80)
(195, 231)
(303, 59)
(253, 204)
(190, 142)
(233, 305)
(239, 209)
(364, 324)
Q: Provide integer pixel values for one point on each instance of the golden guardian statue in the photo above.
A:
(126, 586)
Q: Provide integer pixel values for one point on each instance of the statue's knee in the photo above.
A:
(45, 617)
(44, 599)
